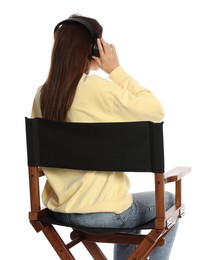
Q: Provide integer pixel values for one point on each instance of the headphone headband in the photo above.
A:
(88, 26)
(79, 21)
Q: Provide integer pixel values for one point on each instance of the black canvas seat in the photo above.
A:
(49, 219)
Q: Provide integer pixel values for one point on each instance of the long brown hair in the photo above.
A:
(69, 60)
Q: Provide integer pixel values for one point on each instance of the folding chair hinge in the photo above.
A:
(181, 211)
(169, 222)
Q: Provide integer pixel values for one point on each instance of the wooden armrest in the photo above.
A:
(176, 174)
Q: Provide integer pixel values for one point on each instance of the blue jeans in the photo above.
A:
(141, 211)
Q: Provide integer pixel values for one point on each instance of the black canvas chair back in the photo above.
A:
(118, 146)
(136, 146)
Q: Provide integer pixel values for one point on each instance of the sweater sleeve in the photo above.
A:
(133, 100)
(36, 111)
(120, 76)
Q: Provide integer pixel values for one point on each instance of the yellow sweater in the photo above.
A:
(118, 99)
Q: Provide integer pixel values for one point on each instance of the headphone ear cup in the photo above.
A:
(95, 51)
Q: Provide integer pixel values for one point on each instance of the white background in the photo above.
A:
(166, 45)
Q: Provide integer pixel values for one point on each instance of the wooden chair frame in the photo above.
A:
(165, 220)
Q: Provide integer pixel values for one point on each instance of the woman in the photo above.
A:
(87, 198)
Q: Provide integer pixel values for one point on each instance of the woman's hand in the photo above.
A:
(108, 60)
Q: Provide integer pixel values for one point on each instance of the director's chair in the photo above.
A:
(123, 146)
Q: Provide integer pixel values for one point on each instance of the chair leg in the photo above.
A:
(145, 247)
(57, 243)
(94, 250)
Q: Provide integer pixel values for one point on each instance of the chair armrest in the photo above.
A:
(176, 174)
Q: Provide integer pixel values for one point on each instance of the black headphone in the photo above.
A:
(94, 50)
